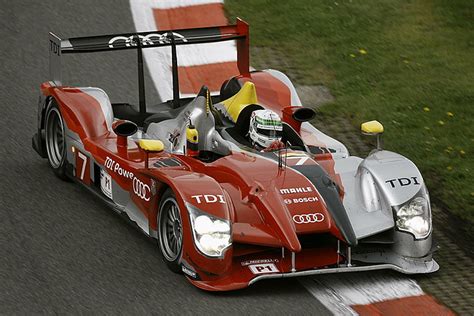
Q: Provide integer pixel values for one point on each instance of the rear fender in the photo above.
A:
(87, 111)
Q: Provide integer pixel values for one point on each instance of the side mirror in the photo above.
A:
(373, 128)
(303, 114)
(150, 146)
(123, 129)
(295, 115)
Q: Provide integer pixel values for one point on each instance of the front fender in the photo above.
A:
(207, 195)
(387, 181)
(396, 178)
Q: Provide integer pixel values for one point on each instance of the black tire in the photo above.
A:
(55, 140)
(170, 231)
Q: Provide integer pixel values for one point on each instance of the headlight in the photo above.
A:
(415, 216)
(211, 234)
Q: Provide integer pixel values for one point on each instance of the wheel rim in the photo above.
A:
(171, 230)
(55, 138)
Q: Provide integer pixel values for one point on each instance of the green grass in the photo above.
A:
(418, 66)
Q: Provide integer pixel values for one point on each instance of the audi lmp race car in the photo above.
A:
(223, 213)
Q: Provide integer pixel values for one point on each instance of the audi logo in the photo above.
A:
(308, 218)
(149, 39)
(141, 189)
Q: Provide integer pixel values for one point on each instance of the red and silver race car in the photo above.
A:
(225, 213)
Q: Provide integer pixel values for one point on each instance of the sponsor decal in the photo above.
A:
(301, 159)
(301, 200)
(55, 48)
(209, 198)
(263, 268)
(142, 190)
(308, 218)
(258, 261)
(149, 39)
(174, 137)
(402, 182)
(115, 167)
(106, 183)
(296, 190)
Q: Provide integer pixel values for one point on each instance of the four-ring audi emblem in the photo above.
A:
(308, 218)
(141, 189)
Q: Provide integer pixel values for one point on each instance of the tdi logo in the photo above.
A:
(54, 48)
(402, 182)
(296, 190)
(209, 198)
(115, 167)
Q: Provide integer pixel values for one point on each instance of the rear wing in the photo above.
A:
(142, 40)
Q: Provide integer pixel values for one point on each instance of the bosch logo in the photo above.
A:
(308, 218)
(149, 39)
(141, 189)
(301, 200)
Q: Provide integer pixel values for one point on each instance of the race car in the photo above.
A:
(225, 212)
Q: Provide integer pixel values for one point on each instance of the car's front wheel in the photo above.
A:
(170, 231)
(55, 138)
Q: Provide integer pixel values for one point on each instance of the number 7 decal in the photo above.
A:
(82, 167)
(301, 160)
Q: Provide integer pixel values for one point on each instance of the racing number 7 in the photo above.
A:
(82, 163)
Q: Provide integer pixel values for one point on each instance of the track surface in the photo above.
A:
(62, 250)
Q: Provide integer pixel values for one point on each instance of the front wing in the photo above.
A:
(249, 269)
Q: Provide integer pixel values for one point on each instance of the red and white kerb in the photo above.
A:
(210, 64)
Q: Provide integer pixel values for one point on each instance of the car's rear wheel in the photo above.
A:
(55, 137)
(170, 231)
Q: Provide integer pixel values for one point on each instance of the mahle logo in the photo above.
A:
(296, 190)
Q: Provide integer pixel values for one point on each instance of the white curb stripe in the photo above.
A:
(170, 4)
(158, 60)
(339, 291)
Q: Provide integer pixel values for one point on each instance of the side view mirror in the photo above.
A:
(295, 115)
(123, 129)
(303, 114)
(150, 146)
(373, 128)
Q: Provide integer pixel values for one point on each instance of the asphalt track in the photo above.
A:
(63, 251)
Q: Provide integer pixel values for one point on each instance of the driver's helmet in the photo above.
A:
(265, 128)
